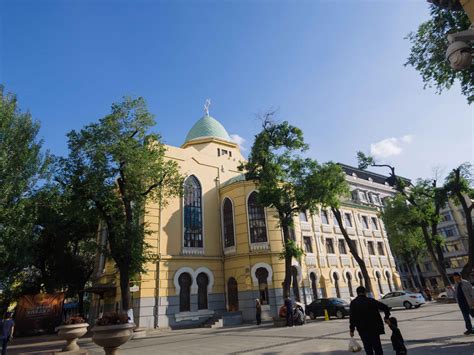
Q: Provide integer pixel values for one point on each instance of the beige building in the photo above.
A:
(453, 228)
(219, 250)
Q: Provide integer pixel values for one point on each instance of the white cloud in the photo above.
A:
(390, 146)
(239, 140)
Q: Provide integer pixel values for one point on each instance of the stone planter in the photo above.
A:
(110, 337)
(71, 333)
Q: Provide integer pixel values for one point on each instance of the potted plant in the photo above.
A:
(112, 331)
(71, 330)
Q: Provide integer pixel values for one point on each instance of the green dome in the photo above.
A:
(207, 127)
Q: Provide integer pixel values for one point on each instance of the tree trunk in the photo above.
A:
(439, 264)
(124, 287)
(353, 249)
(467, 269)
(287, 282)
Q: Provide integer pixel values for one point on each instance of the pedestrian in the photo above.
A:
(428, 294)
(463, 293)
(365, 316)
(289, 312)
(7, 328)
(258, 311)
(397, 339)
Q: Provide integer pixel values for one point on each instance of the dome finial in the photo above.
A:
(206, 106)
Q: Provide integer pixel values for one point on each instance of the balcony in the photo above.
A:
(374, 260)
(326, 228)
(377, 234)
(332, 260)
(259, 246)
(345, 260)
(367, 233)
(230, 250)
(305, 226)
(384, 261)
(310, 259)
(192, 251)
(351, 231)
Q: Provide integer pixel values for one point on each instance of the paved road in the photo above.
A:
(432, 329)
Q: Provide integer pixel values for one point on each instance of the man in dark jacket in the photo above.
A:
(365, 316)
(464, 295)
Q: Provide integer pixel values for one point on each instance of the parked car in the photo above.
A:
(403, 299)
(336, 308)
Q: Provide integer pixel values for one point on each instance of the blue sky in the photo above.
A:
(333, 68)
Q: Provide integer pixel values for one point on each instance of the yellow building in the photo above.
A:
(219, 250)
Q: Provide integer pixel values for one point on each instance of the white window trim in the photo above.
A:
(190, 250)
(259, 245)
(231, 249)
(257, 266)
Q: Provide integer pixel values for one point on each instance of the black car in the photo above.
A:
(336, 308)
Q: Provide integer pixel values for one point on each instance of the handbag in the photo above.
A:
(354, 346)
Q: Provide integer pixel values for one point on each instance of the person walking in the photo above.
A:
(7, 328)
(464, 296)
(289, 312)
(258, 311)
(397, 339)
(365, 316)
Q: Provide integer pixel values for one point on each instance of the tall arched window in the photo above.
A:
(184, 281)
(192, 213)
(257, 224)
(387, 274)
(262, 276)
(314, 285)
(202, 281)
(336, 284)
(349, 284)
(228, 223)
(379, 282)
(233, 295)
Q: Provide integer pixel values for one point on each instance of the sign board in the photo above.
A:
(134, 288)
(38, 314)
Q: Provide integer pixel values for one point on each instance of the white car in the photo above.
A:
(403, 299)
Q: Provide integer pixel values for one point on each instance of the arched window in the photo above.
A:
(349, 284)
(314, 285)
(336, 284)
(262, 276)
(233, 295)
(184, 281)
(228, 223)
(257, 224)
(203, 282)
(294, 280)
(387, 274)
(379, 282)
(192, 213)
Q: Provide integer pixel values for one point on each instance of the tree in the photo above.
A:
(66, 245)
(424, 201)
(22, 165)
(331, 187)
(118, 165)
(428, 51)
(290, 184)
(283, 180)
(405, 236)
(460, 189)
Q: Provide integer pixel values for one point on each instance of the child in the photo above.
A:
(397, 340)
